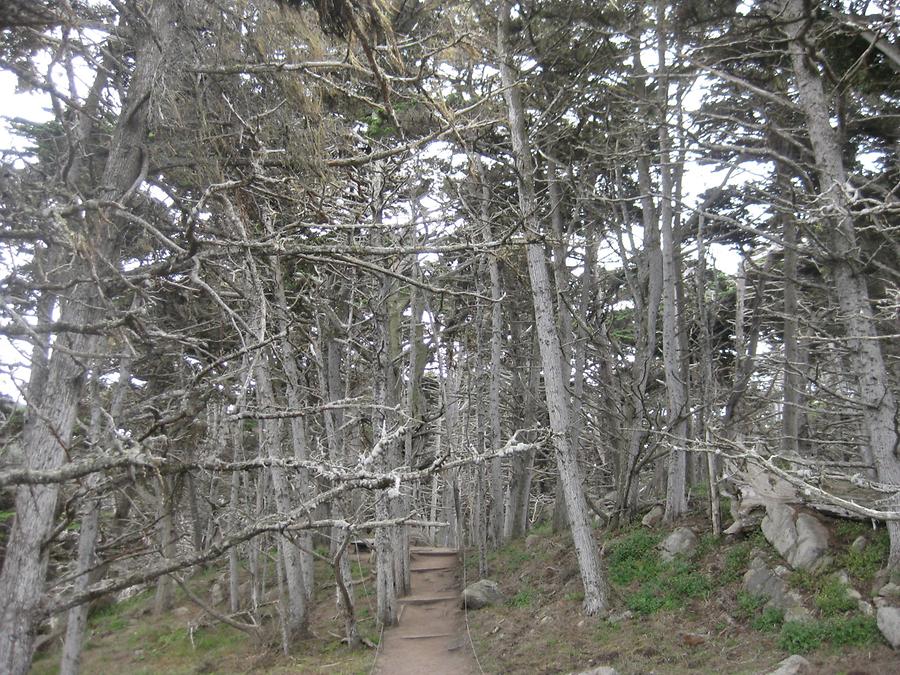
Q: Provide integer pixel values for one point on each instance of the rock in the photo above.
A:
(181, 611)
(654, 516)
(481, 594)
(888, 619)
(532, 541)
(760, 581)
(682, 541)
(859, 544)
(793, 665)
(216, 594)
(865, 608)
(601, 670)
(620, 617)
(889, 590)
(799, 537)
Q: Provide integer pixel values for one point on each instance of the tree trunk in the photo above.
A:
(879, 407)
(551, 349)
(45, 440)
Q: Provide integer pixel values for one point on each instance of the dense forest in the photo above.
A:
(284, 276)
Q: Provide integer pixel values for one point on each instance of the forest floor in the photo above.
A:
(688, 616)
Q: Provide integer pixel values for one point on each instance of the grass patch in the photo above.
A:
(749, 604)
(862, 565)
(523, 598)
(633, 559)
(770, 620)
(801, 637)
(832, 598)
(736, 562)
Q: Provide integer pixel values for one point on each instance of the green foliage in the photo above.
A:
(6, 515)
(523, 598)
(862, 565)
(799, 637)
(805, 581)
(749, 604)
(832, 598)
(577, 596)
(736, 561)
(633, 557)
(708, 543)
(769, 621)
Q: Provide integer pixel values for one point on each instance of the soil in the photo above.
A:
(430, 636)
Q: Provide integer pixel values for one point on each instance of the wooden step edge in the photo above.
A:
(445, 554)
(426, 637)
(428, 600)
(431, 569)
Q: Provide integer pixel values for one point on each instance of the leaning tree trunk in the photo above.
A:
(551, 350)
(46, 438)
(879, 406)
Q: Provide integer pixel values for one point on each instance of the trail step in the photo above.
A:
(427, 599)
(435, 552)
(430, 569)
(426, 637)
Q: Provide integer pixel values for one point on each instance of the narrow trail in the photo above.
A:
(431, 635)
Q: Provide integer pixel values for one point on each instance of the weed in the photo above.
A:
(736, 561)
(633, 557)
(862, 565)
(749, 604)
(708, 543)
(832, 598)
(799, 637)
(523, 598)
(686, 582)
(805, 581)
(575, 597)
(645, 601)
(769, 621)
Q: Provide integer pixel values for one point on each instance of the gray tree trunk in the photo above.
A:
(879, 407)
(595, 591)
(46, 437)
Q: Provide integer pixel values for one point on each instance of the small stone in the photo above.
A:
(888, 619)
(682, 541)
(654, 516)
(797, 613)
(865, 608)
(859, 544)
(532, 541)
(545, 619)
(620, 617)
(481, 594)
(181, 611)
(601, 670)
(793, 665)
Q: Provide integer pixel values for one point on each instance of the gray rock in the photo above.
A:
(888, 619)
(889, 590)
(181, 611)
(799, 537)
(531, 541)
(601, 670)
(619, 617)
(793, 665)
(682, 541)
(859, 544)
(654, 516)
(481, 594)
(760, 581)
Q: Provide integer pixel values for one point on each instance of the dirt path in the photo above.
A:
(431, 636)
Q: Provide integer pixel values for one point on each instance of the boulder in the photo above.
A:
(481, 594)
(888, 619)
(654, 516)
(793, 665)
(859, 544)
(760, 581)
(682, 541)
(799, 537)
